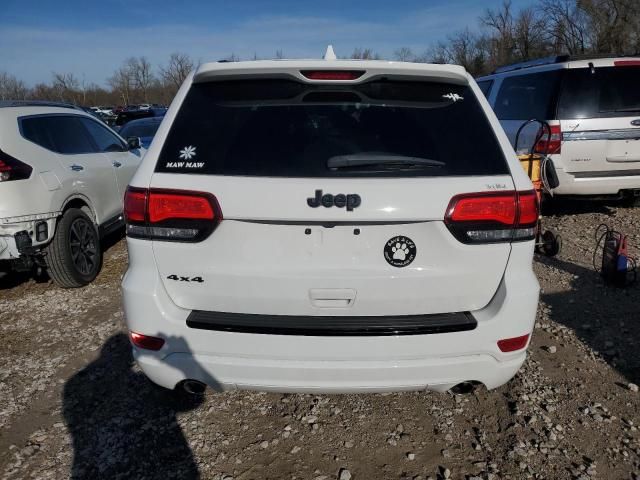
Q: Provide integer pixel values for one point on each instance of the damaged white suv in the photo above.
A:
(330, 225)
(63, 175)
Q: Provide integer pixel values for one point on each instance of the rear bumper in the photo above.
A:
(592, 184)
(10, 226)
(306, 363)
(328, 376)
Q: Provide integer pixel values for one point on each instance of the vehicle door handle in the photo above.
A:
(116, 164)
(77, 168)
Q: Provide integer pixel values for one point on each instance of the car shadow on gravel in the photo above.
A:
(122, 425)
(605, 318)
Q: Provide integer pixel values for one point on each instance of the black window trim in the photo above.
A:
(91, 140)
(491, 82)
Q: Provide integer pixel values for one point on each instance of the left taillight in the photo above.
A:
(549, 142)
(170, 215)
(13, 169)
(491, 217)
(146, 342)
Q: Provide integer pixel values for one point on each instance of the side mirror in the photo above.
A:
(134, 143)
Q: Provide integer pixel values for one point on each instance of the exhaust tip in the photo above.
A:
(465, 388)
(194, 387)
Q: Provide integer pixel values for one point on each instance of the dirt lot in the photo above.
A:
(73, 404)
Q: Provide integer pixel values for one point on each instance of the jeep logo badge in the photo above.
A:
(351, 200)
(636, 123)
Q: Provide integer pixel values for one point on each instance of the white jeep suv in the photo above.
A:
(330, 226)
(63, 175)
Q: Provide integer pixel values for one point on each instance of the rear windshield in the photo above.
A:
(608, 92)
(282, 128)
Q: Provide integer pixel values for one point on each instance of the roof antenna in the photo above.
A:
(330, 54)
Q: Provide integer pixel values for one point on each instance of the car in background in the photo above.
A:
(102, 110)
(128, 115)
(63, 175)
(593, 108)
(144, 129)
(319, 226)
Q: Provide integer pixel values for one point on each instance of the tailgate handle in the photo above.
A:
(623, 159)
(332, 297)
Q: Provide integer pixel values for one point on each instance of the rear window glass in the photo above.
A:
(523, 97)
(60, 133)
(608, 92)
(282, 128)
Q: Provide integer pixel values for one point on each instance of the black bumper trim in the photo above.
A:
(323, 326)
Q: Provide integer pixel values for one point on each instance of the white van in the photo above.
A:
(593, 108)
(317, 225)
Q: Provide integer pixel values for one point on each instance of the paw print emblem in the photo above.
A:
(400, 251)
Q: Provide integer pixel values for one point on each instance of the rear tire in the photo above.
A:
(74, 256)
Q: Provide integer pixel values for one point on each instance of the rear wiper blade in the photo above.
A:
(372, 159)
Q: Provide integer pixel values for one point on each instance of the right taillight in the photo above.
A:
(492, 217)
(170, 215)
(13, 169)
(549, 142)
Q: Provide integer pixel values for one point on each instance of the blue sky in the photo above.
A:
(91, 38)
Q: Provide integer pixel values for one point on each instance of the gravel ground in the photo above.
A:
(73, 404)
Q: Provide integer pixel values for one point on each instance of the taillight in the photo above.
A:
(13, 169)
(332, 74)
(492, 217)
(512, 344)
(626, 63)
(171, 215)
(549, 143)
(146, 341)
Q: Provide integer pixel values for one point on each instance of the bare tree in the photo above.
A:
(365, 54)
(66, 86)
(613, 25)
(279, 54)
(465, 48)
(529, 34)
(566, 26)
(178, 68)
(11, 88)
(404, 54)
(438, 53)
(120, 82)
(141, 75)
(501, 27)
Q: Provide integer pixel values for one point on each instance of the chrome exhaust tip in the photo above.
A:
(194, 387)
(465, 388)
